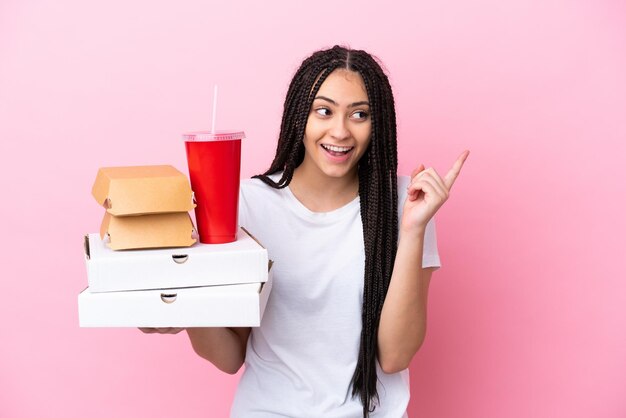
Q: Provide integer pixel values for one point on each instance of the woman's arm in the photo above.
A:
(224, 347)
(402, 325)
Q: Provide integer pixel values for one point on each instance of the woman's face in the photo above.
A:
(339, 126)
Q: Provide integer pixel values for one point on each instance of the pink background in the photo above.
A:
(526, 319)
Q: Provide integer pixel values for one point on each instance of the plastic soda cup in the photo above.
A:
(214, 160)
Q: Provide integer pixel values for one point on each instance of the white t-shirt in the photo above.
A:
(301, 359)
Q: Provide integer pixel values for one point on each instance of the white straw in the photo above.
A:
(214, 108)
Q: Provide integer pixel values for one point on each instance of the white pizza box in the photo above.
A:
(242, 261)
(236, 305)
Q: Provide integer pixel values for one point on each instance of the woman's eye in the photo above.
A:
(360, 114)
(322, 111)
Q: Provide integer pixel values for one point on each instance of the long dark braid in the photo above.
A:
(378, 193)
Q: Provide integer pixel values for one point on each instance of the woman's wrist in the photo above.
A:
(412, 234)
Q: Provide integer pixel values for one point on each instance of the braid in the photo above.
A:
(377, 173)
(379, 206)
(302, 90)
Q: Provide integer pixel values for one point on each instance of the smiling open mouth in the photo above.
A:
(337, 151)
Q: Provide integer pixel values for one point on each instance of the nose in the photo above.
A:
(339, 130)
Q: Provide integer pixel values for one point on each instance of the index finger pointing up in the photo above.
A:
(455, 170)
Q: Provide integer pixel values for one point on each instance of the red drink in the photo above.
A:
(214, 160)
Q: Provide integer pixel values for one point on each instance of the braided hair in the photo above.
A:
(377, 173)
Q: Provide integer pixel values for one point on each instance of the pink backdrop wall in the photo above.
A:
(526, 319)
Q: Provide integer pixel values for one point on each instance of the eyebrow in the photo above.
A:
(364, 102)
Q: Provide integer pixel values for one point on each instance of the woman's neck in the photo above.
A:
(320, 193)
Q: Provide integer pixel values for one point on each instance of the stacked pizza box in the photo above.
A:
(145, 268)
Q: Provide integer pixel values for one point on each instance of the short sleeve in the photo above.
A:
(430, 256)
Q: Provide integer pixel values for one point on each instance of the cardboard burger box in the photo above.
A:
(148, 231)
(237, 305)
(242, 261)
(140, 190)
(146, 207)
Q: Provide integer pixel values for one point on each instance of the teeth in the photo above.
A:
(336, 148)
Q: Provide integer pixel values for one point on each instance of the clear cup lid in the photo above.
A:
(213, 136)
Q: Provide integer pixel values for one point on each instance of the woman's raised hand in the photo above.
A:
(426, 193)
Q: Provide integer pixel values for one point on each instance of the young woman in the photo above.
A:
(354, 248)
